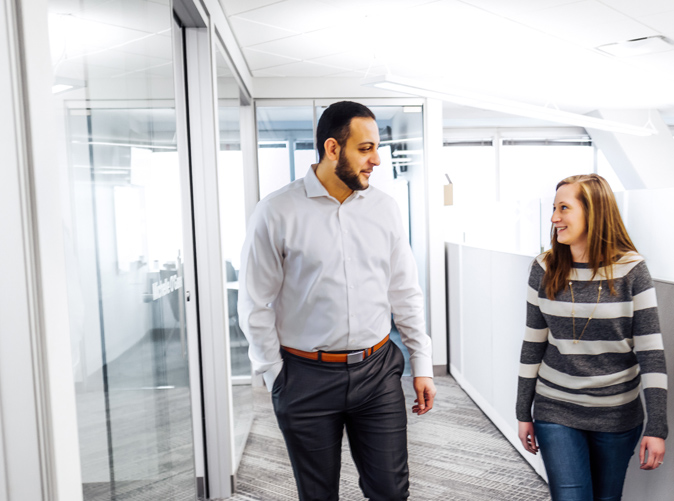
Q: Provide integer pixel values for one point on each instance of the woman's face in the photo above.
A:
(568, 216)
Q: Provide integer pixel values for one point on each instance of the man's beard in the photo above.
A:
(347, 175)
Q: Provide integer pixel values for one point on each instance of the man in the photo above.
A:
(325, 263)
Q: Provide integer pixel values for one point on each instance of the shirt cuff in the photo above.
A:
(271, 375)
(422, 367)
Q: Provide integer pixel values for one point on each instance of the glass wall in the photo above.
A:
(285, 145)
(503, 189)
(233, 231)
(114, 86)
(525, 180)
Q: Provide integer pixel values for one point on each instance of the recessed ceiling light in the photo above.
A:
(637, 46)
(55, 89)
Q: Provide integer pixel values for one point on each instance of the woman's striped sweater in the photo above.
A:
(594, 384)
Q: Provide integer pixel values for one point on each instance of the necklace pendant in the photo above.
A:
(575, 341)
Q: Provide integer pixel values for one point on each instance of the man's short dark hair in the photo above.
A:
(335, 122)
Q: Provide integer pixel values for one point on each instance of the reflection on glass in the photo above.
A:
(233, 229)
(125, 268)
(285, 145)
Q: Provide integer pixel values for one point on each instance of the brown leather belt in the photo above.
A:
(348, 358)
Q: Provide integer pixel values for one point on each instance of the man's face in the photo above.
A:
(359, 155)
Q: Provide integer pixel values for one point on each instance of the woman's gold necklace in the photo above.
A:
(573, 312)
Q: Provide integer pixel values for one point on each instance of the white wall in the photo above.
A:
(487, 306)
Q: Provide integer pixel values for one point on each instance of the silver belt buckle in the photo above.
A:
(355, 357)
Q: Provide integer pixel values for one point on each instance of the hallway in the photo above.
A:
(456, 453)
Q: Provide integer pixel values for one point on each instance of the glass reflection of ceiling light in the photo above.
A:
(149, 146)
(411, 109)
(637, 46)
(55, 89)
(404, 140)
(398, 153)
(493, 103)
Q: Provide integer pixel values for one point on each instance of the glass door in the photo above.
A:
(114, 85)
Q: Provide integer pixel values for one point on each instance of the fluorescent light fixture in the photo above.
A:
(399, 153)
(132, 145)
(637, 46)
(411, 109)
(493, 103)
(55, 89)
(403, 140)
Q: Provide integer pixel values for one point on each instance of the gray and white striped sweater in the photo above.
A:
(594, 384)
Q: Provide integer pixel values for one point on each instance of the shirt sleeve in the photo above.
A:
(533, 347)
(649, 350)
(407, 305)
(260, 280)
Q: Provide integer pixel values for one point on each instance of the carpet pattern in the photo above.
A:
(455, 453)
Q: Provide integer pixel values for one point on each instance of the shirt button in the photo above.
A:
(346, 231)
(350, 286)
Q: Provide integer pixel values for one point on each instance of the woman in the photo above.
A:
(592, 340)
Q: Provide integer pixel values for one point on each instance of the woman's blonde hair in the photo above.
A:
(607, 238)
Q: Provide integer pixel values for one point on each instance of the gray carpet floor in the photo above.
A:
(455, 453)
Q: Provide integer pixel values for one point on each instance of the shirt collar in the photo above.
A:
(315, 188)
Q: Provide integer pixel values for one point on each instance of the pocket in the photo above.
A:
(280, 379)
(399, 358)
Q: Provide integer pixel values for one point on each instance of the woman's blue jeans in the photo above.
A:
(585, 465)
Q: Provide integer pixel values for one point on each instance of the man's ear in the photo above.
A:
(331, 149)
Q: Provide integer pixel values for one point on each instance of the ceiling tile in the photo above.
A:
(123, 61)
(663, 23)
(71, 6)
(300, 16)
(308, 45)
(513, 7)
(362, 8)
(659, 66)
(91, 36)
(641, 8)
(233, 7)
(140, 15)
(352, 60)
(588, 23)
(249, 33)
(349, 74)
(269, 72)
(164, 70)
(154, 46)
(306, 69)
(258, 60)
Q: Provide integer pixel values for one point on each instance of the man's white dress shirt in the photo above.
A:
(320, 275)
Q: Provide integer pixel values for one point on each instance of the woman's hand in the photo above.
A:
(656, 452)
(526, 433)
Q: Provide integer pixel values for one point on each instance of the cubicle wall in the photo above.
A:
(486, 304)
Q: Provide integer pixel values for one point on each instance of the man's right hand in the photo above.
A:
(527, 436)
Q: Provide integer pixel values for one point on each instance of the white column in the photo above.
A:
(435, 181)
(37, 395)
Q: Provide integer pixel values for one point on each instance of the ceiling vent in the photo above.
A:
(638, 46)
